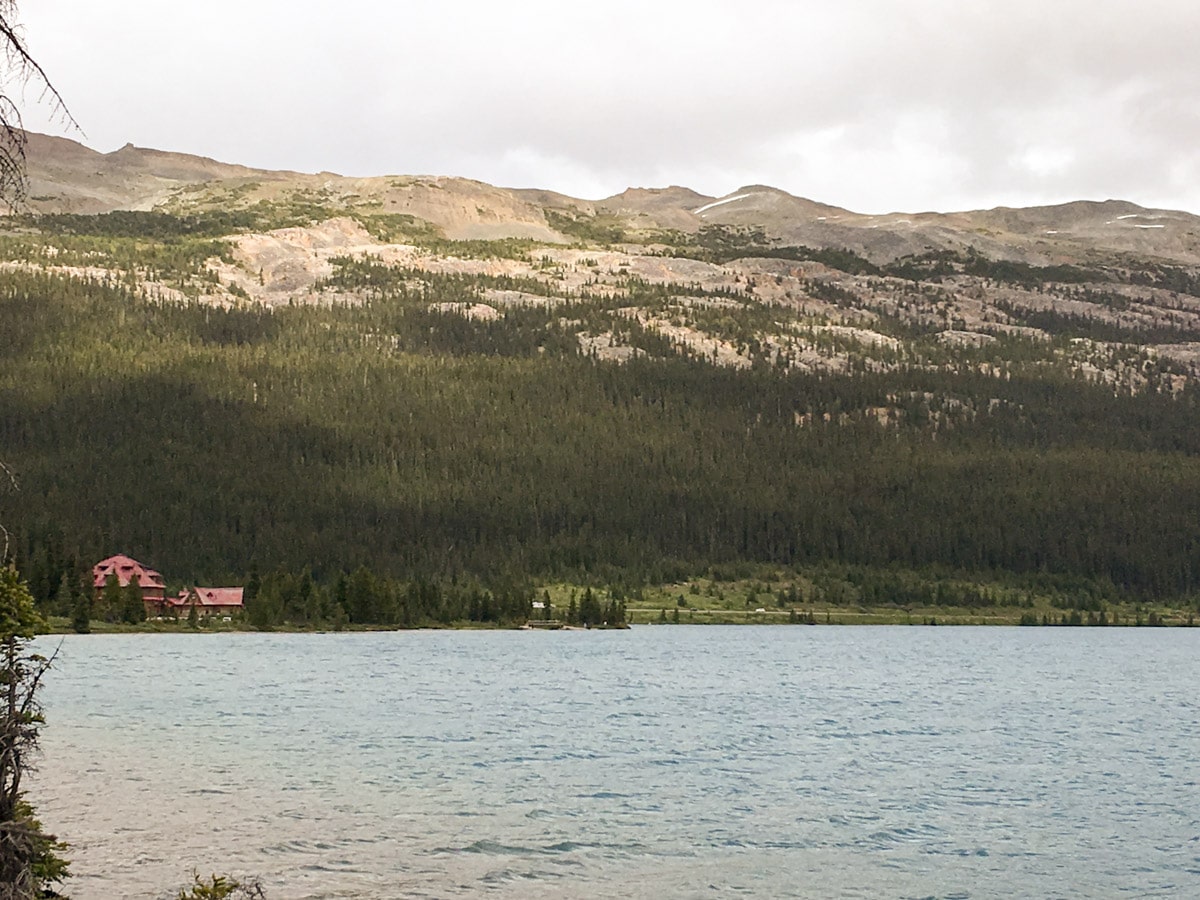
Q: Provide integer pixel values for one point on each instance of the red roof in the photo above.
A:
(126, 569)
(220, 596)
(230, 596)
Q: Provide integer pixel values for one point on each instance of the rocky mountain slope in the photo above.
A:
(1108, 289)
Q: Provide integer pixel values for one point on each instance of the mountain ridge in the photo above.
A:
(66, 176)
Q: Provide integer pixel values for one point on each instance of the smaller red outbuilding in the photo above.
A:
(225, 601)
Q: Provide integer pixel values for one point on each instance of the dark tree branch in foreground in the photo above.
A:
(9, 475)
(21, 68)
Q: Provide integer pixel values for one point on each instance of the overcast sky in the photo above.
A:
(875, 105)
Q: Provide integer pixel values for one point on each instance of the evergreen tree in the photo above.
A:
(590, 611)
(133, 606)
(253, 586)
(363, 597)
(81, 611)
(29, 858)
(64, 598)
(262, 613)
(111, 599)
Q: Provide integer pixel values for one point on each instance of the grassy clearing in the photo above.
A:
(836, 596)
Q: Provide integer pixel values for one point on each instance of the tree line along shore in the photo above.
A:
(739, 595)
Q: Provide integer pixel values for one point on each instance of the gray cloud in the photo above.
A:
(874, 105)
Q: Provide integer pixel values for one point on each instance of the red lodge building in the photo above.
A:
(207, 601)
(154, 589)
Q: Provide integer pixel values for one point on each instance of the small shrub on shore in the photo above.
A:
(222, 887)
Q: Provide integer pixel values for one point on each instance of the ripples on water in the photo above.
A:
(659, 762)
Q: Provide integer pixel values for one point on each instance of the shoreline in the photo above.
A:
(643, 617)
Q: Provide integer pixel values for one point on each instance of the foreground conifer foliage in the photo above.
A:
(30, 860)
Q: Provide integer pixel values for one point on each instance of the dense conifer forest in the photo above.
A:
(401, 440)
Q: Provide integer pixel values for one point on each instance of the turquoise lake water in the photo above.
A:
(660, 762)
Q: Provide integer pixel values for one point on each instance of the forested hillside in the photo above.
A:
(604, 411)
